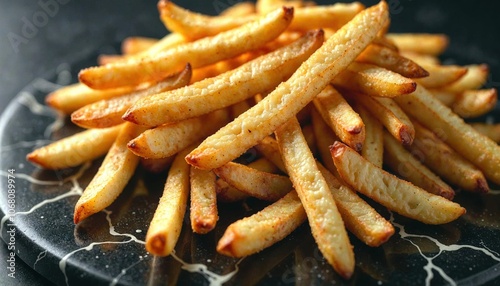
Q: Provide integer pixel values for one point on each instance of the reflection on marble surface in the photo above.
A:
(108, 248)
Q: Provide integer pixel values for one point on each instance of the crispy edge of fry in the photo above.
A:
(113, 175)
(441, 75)
(310, 78)
(411, 169)
(203, 195)
(474, 103)
(109, 112)
(490, 130)
(75, 149)
(340, 116)
(473, 146)
(359, 217)
(444, 161)
(373, 148)
(324, 218)
(263, 229)
(395, 194)
(221, 46)
(431, 44)
(166, 224)
(262, 185)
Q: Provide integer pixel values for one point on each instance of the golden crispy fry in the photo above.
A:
(261, 230)
(385, 42)
(291, 96)
(391, 60)
(166, 225)
(325, 221)
(109, 112)
(203, 211)
(76, 149)
(446, 98)
(265, 6)
(431, 44)
(324, 138)
(373, 148)
(373, 80)
(135, 45)
(390, 115)
(240, 9)
(256, 76)
(475, 77)
(340, 116)
(477, 148)
(115, 172)
(440, 76)
(69, 98)
(221, 46)
(331, 16)
(413, 170)
(166, 140)
(490, 130)
(421, 58)
(359, 217)
(268, 148)
(474, 103)
(157, 165)
(395, 194)
(262, 185)
(444, 161)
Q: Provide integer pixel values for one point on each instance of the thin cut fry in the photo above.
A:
(115, 172)
(440, 76)
(324, 138)
(395, 194)
(291, 96)
(421, 58)
(268, 147)
(240, 9)
(135, 45)
(490, 130)
(373, 148)
(474, 103)
(431, 44)
(203, 211)
(475, 77)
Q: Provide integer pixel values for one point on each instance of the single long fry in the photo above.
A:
(413, 170)
(291, 96)
(262, 185)
(395, 194)
(76, 149)
(240, 9)
(340, 116)
(330, 16)
(166, 140)
(221, 46)
(203, 211)
(263, 229)
(390, 115)
(135, 45)
(261, 74)
(474, 103)
(115, 172)
(440, 76)
(373, 80)
(109, 112)
(475, 77)
(324, 138)
(324, 218)
(69, 98)
(432, 44)
(268, 147)
(477, 148)
(166, 225)
(391, 60)
(421, 58)
(490, 130)
(373, 148)
(444, 161)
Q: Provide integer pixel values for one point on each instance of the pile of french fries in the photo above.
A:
(323, 94)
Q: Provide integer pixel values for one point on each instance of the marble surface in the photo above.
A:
(108, 248)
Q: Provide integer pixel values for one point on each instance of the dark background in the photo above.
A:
(77, 29)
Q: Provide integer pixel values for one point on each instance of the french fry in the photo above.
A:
(166, 225)
(109, 112)
(203, 211)
(240, 9)
(390, 115)
(391, 60)
(440, 76)
(395, 194)
(325, 221)
(321, 17)
(490, 130)
(373, 148)
(474, 103)
(221, 46)
(263, 229)
(72, 97)
(411, 169)
(76, 149)
(340, 116)
(265, 6)
(446, 98)
(166, 140)
(262, 185)
(256, 76)
(268, 147)
(324, 138)
(135, 45)
(431, 44)
(475, 77)
(421, 58)
(373, 80)
(309, 79)
(444, 161)
(475, 147)
(310, 138)
(115, 172)
(359, 217)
